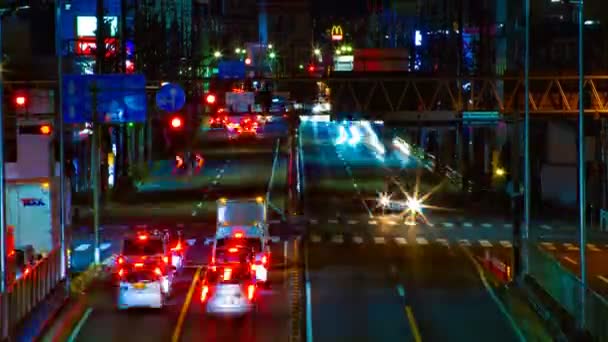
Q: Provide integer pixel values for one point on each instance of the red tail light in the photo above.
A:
(227, 274)
(233, 250)
(264, 260)
(139, 264)
(158, 271)
(177, 247)
(143, 237)
(250, 292)
(253, 267)
(204, 293)
(121, 260)
(238, 235)
(121, 273)
(166, 259)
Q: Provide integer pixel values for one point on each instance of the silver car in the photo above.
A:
(229, 290)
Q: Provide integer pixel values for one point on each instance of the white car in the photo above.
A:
(228, 291)
(141, 289)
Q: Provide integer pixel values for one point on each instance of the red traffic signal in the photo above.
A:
(20, 101)
(210, 99)
(176, 122)
(311, 68)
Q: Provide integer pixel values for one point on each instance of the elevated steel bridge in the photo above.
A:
(549, 95)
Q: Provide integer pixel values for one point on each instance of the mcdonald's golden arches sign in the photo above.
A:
(337, 33)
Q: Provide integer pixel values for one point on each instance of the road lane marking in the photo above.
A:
(570, 247)
(332, 221)
(392, 223)
(80, 324)
(315, 238)
(82, 247)
(464, 242)
(421, 241)
(548, 246)
(412, 320)
(593, 247)
(401, 241)
(337, 239)
(489, 289)
(309, 337)
(105, 246)
(545, 227)
(401, 290)
(570, 260)
(372, 222)
(443, 242)
(379, 240)
(313, 221)
(603, 278)
(182, 315)
(508, 225)
(353, 221)
(358, 240)
(448, 224)
(486, 225)
(485, 243)
(468, 225)
(218, 176)
(506, 244)
(275, 239)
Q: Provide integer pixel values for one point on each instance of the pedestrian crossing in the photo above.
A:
(394, 222)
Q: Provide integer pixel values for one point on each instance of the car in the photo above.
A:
(144, 250)
(247, 250)
(247, 127)
(219, 121)
(228, 290)
(141, 288)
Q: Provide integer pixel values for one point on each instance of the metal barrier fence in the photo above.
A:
(565, 288)
(273, 185)
(23, 295)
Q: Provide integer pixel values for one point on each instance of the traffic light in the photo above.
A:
(176, 122)
(42, 129)
(210, 99)
(311, 68)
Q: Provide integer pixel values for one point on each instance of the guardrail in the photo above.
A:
(564, 287)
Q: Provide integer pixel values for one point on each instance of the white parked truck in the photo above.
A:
(244, 222)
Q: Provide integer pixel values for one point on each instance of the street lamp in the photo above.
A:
(317, 52)
(270, 46)
(217, 54)
(237, 51)
(4, 12)
(272, 55)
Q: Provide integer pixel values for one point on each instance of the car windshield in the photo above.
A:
(146, 247)
(140, 276)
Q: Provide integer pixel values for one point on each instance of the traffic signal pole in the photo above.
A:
(95, 167)
(2, 186)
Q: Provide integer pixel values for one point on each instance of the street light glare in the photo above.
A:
(272, 55)
(414, 205)
(217, 54)
(317, 52)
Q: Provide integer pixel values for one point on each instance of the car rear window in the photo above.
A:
(146, 247)
(221, 275)
(140, 276)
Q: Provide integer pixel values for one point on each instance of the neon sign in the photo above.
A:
(336, 33)
(86, 46)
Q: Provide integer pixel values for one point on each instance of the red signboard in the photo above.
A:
(86, 46)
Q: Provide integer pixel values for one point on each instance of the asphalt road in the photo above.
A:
(367, 281)
(246, 175)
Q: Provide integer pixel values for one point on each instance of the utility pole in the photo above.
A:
(95, 155)
(582, 174)
(525, 233)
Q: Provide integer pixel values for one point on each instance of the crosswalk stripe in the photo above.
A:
(485, 243)
(379, 240)
(275, 239)
(468, 225)
(593, 247)
(401, 241)
(486, 225)
(105, 246)
(332, 221)
(570, 247)
(421, 241)
(337, 239)
(464, 242)
(315, 238)
(313, 221)
(448, 224)
(546, 226)
(508, 225)
(442, 242)
(82, 247)
(548, 245)
(357, 239)
(372, 222)
(392, 223)
(506, 244)
(353, 221)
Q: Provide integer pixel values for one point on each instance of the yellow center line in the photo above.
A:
(182, 315)
(413, 324)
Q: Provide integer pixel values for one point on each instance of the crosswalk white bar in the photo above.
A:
(82, 247)
(337, 239)
(506, 244)
(379, 240)
(358, 240)
(105, 246)
(315, 238)
(421, 241)
(486, 225)
(401, 241)
(485, 243)
(353, 221)
(464, 242)
(468, 225)
(372, 222)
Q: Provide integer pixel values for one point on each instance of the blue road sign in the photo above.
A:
(120, 98)
(231, 70)
(170, 97)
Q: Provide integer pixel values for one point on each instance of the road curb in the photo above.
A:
(71, 313)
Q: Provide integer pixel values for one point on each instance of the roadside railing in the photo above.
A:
(25, 293)
(567, 289)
